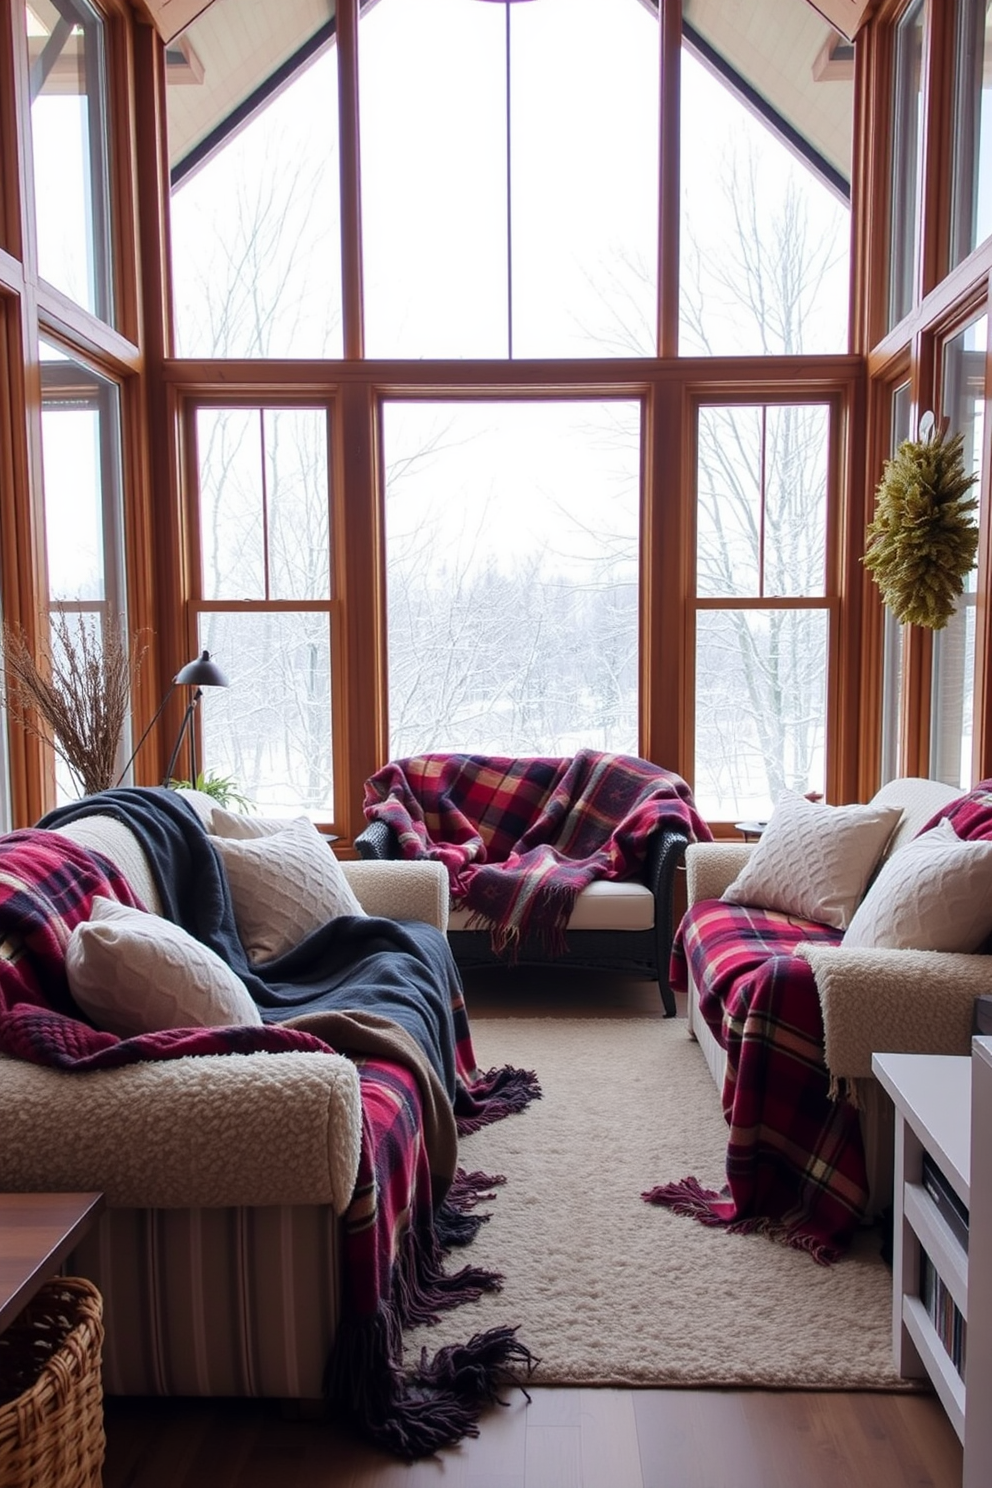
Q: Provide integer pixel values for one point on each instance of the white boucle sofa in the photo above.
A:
(871, 1000)
(225, 1179)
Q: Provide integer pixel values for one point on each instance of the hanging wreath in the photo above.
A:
(923, 540)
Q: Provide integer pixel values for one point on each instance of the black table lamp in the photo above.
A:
(199, 674)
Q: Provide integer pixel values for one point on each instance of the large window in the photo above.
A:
(512, 572)
(764, 233)
(256, 238)
(515, 211)
(81, 449)
(971, 200)
(68, 85)
(762, 611)
(906, 179)
(264, 602)
(894, 634)
(952, 706)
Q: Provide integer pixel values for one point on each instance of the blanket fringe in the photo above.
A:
(421, 1287)
(435, 1406)
(454, 1221)
(497, 1093)
(704, 1205)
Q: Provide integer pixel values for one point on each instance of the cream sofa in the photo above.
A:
(225, 1180)
(871, 1000)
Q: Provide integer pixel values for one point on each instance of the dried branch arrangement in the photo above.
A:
(76, 695)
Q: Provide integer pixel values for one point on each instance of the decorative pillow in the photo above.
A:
(283, 886)
(934, 894)
(813, 861)
(132, 972)
(236, 824)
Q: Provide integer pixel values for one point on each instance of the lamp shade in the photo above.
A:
(201, 673)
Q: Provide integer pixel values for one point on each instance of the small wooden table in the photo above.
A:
(37, 1232)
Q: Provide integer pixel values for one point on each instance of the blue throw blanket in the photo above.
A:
(351, 982)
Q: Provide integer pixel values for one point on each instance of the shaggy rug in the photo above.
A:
(609, 1290)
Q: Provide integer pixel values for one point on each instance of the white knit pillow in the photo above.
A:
(224, 823)
(283, 886)
(813, 861)
(132, 972)
(934, 894)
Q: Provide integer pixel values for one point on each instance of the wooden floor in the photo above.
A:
(564, 1438)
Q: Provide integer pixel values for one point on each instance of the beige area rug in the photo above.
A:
(609, 1290)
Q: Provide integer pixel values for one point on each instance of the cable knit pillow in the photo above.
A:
(224, 823)
(283, 886)
(132, 972)
(813, 861)
(934, 894)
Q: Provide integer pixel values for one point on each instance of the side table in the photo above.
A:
(37, 1232)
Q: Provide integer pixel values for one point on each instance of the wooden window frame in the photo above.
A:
(254, 399)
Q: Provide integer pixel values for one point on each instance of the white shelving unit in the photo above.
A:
(943, 1107)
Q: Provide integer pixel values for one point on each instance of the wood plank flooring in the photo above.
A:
(578, 1438)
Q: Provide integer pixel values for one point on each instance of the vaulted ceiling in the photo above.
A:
(782, 56)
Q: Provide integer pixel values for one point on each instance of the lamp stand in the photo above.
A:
(184, 727)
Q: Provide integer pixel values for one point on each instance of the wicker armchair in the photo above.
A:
(625, 927)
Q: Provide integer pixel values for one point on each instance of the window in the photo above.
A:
(971, 203)
(510, 178)
(81, 451)
(764, 231)
(256, 237)
(952, 702)
(512, 576)
(69, 136)
(762, 605)
(907, 134)
(264, 602)
(894, 634)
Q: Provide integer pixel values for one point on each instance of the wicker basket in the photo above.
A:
(51, 1398)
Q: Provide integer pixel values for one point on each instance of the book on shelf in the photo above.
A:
(948, 1205)
(943, 1312)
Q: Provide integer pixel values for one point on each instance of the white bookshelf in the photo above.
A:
(943, 1107)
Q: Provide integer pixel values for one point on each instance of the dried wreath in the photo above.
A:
(923, 540)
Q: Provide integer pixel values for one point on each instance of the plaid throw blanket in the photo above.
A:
(970, 814)
(795, 1159)
(521, 838)
(396, 1235)
(394, 1241)
(47, 886)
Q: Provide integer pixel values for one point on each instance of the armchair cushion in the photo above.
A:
(814, 860)
(133, 972)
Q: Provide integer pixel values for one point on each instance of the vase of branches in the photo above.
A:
(76, 693)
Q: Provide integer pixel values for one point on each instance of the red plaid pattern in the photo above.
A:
(795, 1159)
(970, 814)
(522, 837)
(47, 886)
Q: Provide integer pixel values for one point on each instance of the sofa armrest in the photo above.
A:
(898, 1002)
(712, 867)
(401, 890)
(231, 1130)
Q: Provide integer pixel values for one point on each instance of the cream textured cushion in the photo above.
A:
(283, 887)
(934, 894)
(813, 861)
(236, 824)
(132, 972)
